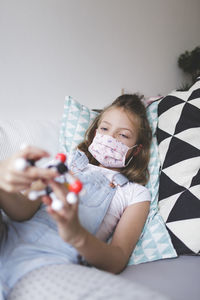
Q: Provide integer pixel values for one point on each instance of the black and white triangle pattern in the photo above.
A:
(178, 136)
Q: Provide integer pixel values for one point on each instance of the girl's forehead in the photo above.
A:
(120, 116)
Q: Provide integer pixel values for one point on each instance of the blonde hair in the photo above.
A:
(137, 169)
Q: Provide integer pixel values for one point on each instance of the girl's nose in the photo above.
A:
(112, 133)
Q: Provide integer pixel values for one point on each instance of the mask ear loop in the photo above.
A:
(139, 148)
(131, 156)
(128, 161)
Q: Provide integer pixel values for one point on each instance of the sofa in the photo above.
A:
(165, 263)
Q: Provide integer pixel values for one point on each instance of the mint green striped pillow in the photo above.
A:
(75, 121)
(155, 242)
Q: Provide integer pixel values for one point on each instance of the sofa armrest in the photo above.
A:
(40, 133)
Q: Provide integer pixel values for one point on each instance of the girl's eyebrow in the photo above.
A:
(105, 122)
(118, 128)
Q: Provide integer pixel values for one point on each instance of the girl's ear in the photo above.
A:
(138, 149)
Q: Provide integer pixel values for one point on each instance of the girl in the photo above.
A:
(112, 164)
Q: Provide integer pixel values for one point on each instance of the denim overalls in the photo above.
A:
(36, 242)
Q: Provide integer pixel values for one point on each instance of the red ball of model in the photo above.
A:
(75, 187)
(61, 157)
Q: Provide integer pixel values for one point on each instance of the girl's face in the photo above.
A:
(121, 125)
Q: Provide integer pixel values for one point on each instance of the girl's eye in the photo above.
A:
(123, 135)
(104, 128)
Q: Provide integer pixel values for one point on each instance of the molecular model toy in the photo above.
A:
(73, 185)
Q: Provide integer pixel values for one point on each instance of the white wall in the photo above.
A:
(90, 49)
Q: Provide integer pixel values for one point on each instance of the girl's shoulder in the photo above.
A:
(134, 192)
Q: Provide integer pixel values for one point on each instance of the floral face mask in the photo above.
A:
(109, 152)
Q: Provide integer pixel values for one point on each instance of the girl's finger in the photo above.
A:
(12, 188)
(42, 173)
(59, 189)
(30, 152)
(46, 200)
(17, 180)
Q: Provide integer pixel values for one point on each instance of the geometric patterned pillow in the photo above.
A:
(75, 121)
(179, 148)
(155, 242)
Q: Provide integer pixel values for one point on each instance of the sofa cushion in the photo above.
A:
(176, 278)
(154, 242)
(179, 147)
(75, 282)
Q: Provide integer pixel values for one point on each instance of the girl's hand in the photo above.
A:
(12, 180)
(69, 227)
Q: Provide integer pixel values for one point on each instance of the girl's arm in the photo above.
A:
(17, 206)
(114, 257)
(111, 257)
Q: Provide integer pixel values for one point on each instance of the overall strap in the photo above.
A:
(119, 179)
(79, 161)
